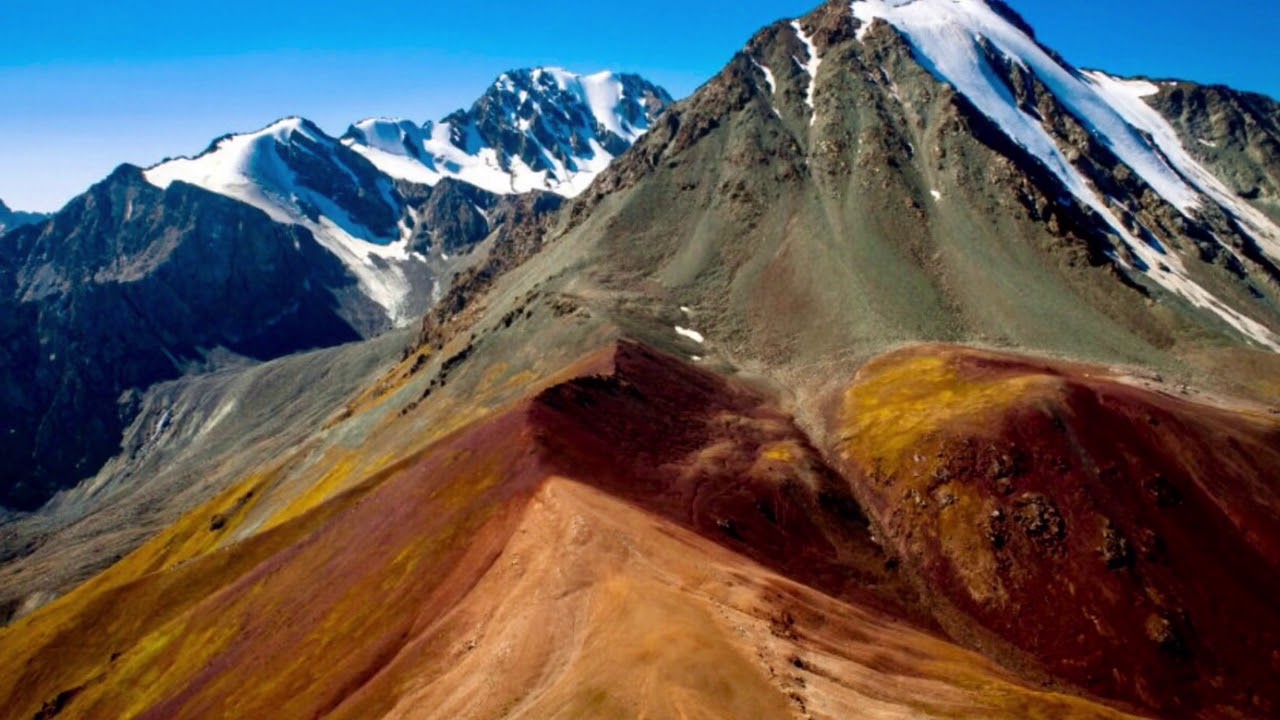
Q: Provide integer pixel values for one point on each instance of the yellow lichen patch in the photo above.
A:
(780, 452)
(127, 615)
(970, 553)
(341, 467)
(898, 401)
(392, 380)
(171, 634)
(193, 538)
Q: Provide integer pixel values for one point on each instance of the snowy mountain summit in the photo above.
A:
(989, 54)
(540, 129)
(366, 196)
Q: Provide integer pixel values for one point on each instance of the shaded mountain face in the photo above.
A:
(129, 285)
(1235, 134)
(1121, 539)
(541, 129)
(393, 238)
(10, 219)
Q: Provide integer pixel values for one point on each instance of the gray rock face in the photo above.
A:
(1235, 133)
(890, 188)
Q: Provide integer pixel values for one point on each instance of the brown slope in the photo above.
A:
(597, 610)
(1068, 522)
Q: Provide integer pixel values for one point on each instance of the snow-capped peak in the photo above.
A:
(538, 129)
(298, 175)
(959, 41)
(544, 129)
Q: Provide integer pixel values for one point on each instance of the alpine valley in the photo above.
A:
(902, 370)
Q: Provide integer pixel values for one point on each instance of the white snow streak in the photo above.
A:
(768, 76)
(693, 335)
(810, 66)
(1126, 97)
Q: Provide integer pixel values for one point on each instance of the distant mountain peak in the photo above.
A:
(541, 129)
(10, 219)
(533, 129)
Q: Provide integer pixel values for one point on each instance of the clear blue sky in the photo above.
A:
(88, 84)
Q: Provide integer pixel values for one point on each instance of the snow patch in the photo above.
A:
(810, 66)
(434, 151)
(768, 76)
(946, 35)
(218, 416)
(773, 84)
(693, 335)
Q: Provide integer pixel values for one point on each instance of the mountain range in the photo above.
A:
(269, 243)
(902, 370)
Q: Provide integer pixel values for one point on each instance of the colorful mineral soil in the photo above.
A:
(1077, 527)
(643, 539)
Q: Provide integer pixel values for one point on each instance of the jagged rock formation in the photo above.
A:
(541, 129)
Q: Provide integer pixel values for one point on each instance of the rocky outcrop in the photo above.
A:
(1235, 133)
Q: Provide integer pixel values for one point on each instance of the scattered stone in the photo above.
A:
(1040, 519)
(1162, 631)
(1163, 492)
(1116, 552)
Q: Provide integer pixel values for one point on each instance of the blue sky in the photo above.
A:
(87, 84)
